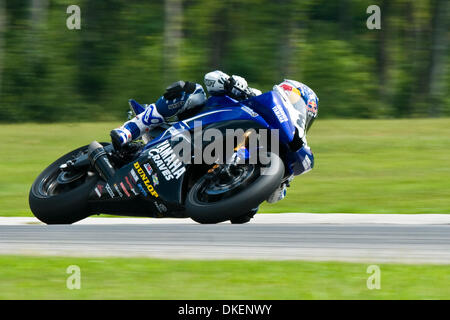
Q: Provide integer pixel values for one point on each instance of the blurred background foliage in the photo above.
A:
(134, 49)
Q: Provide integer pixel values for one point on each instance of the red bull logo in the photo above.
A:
(312, 106)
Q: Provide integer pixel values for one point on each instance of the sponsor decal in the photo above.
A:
(141, 188)
(312, 106)
(250, 111)
(147, 114)
(111, 193)
(209, 83)
(145, 180)
(279, 112)
(148, 168)
(174, 131)
(302, 91)
(166, 161)
(306, 164)
(287, 87)
(118, 190)
(176, 105)
(155, 180)
(131, 186)
(161, 208)
(98, 190)
(134, 175)
(125, 190)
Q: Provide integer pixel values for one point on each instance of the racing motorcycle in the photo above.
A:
(148, 179)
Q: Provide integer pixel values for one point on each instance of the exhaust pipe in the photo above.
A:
(99, 160)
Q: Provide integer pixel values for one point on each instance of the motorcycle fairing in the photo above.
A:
(236, 111)
(136, 192)
(264, 111)
(152, 172)
(272, 108)
(301, 161)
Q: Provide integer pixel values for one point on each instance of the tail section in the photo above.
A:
(136, 107)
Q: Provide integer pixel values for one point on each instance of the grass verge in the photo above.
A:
(125, 278)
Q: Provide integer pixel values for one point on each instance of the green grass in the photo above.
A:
(124, 278)
(375, 166)
(367, 166)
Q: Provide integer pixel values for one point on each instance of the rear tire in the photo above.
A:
(64, 208)
(239, 204)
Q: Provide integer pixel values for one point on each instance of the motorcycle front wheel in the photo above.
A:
(216, 199)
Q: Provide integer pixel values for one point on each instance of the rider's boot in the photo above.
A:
(136, 127)
(278, 194)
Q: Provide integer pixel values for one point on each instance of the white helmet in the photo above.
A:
(303, 99)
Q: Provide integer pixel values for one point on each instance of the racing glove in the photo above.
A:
(238, 88)
(219, 83)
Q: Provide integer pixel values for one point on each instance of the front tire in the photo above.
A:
(238, 204)
(61, 204)
(245, 218)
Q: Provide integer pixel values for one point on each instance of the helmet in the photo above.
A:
(303, 99)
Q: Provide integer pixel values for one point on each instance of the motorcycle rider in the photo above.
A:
(183, 96)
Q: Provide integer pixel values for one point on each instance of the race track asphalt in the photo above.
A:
(326, 237)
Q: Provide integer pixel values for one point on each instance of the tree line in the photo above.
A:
(134, 49)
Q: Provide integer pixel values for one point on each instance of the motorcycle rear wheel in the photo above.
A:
(60, 198)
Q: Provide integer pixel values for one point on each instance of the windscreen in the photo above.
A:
(296, 108)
